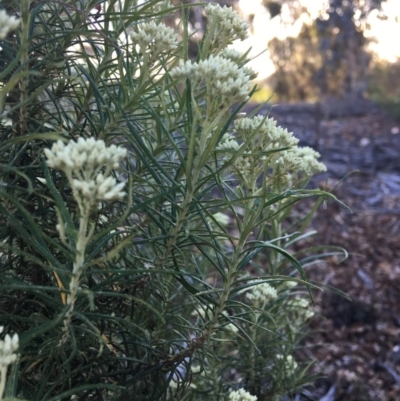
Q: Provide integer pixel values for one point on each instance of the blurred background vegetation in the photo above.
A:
(319, 50)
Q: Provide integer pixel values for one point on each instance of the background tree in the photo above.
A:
(329, 56)
(297, 61)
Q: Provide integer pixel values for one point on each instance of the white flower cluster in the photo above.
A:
(241, 395)
(8, 348)
(301, 307)
(224, 26)
(288, 285)
(238, 58)
(283, 158)
(249, 72)
(206, 312)
(87, 165)
(101, 188)
(261, 293)
(288, 362)
(228, 142)
(309, 164)
(286, 163)
(232, 54)
(8, 23)
(85, 155)
(225, 82)
(154, 38)
(269, 135)
(299, 160)
(266, 136)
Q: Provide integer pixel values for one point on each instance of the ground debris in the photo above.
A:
(357, 338)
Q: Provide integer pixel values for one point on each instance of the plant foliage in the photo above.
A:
(182, 287)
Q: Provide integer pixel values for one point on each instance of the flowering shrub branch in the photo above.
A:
(87, 165)
(194, 291)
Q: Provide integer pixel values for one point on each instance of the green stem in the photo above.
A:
(248, 216)
(253, 336)
(276, 233)
(23, 112)
(179, 221)
(76, 272)
(3, 374)
(212, 325)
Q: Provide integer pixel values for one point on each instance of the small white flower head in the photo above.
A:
(308, 314)
(173, 385)
(287, 161)
(287, 362)
(309, 164)
(228, 142)
(301, 309)
(8, 348)
(250, 72)
(269, 135)
(154, 38)
(87, 165)
(195, 369)
(260, 293)
(299, 303)
(238, 58)
(8, 23)
(293, 164)
(204, 312)
(243, 169)
(230, 326)
(241, 395)
(224, 26)
(232, 54)
(221, 218)
(225, 82)
(288, 284)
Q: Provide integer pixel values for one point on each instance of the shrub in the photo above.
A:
(384, 85)
(145, 251)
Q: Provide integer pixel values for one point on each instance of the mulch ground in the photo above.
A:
(356, 342)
